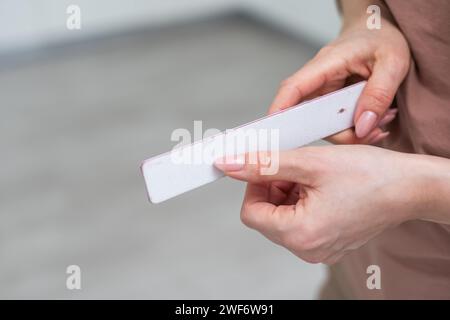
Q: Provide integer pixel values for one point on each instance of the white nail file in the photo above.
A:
(168, 175)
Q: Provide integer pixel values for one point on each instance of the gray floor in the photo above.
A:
(76, 125)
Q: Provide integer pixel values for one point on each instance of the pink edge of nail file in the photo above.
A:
(298, 126)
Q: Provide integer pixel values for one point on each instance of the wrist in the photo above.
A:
(430, 181)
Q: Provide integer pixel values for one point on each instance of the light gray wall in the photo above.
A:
(317, 20)
(26, 23)
(29, 23)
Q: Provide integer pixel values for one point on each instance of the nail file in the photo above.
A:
(166, 176)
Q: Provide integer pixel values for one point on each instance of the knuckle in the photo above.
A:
(287, 83)
(313, 258)
(251, 160)
(378, 99)
(246, 217)
(325, 50)
(264, 158)
(284, 232)
(309, 238)
(398, 62)
(307, 244)
(287, 240)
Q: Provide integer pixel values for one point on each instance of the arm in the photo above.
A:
(326, 201)
(433, 189)
(436, 174)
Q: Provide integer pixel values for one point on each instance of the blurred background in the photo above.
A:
(80, 110)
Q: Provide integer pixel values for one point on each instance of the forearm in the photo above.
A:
(432, 188)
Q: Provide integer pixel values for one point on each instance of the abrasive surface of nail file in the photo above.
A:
(297, 126)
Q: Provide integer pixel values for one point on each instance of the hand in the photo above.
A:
(381, 56)
(325, 201)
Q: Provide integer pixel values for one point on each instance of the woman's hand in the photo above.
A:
(324, 201)
(380, 56)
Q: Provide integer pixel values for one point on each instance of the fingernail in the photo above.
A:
(230, 163)
(371, 136)
(386, 119)
(366, 122)
(379, 137)
(392, 111)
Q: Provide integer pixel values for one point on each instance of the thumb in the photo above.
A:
(377, 96)
(260, 167)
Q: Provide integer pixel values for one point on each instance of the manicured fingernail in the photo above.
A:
(371, 136)
(392, 111)
(386, 119)
(379, 137)
(366, 122)
(230, 163)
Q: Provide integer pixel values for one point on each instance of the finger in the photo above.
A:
(259, 214)
(283, 186)
(389, 116)
(349, 137)
(295, 194)
(377, 96)
(263, 167)
(344, 137)
(379, 137)
(303, 83)
(279, 191)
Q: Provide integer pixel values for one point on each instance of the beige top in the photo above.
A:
(414, 258)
